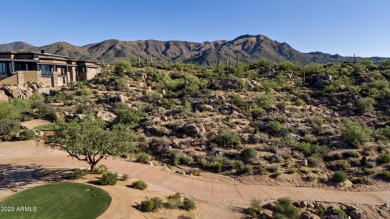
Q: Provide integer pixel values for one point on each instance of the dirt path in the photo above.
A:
(19, 158)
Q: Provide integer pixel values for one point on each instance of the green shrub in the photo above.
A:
(143, 158)
(127, 115)
(248, 169)
(108, 179)
(274, 128)
(194, 172)
(78, 173)
(383, 158)
(248, 154)
(384, 133)
(44, 111)
(366, 104)
(174, 201)
(141, 185)
(300, 102)
(26, 135)
(151, 204)
(284, 209)
(255, 209)
(386, 174)
(100, 169)
(340, 212)
(188, 204)
(227, 139)
(355, 134)
(339, 176)
(8, 128)
(125, 177)
(9, 111)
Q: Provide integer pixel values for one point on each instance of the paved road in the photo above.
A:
(18, 159)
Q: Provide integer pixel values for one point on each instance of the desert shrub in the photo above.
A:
(314, 161)
(255, 209)
(274, 128)
(384, 133)
(188, 204)
(78, 173)
(238, 165)
(122, 67)
(8, 110)
(349, 154)
(257, 111)
(273, 169)
(143, 158)
(264, 100)
(383, 158)
(125, 177)
(120, 83)
(248, 154)
(8, 128)
(355, 134)
(127, 115)
(339, 176)
(181, 158)
(227, 139)
(151, 204)
(194, 172)
(366, 104)
(108, 178)
(262, 170)
(368, 171)
(26, 135)
(311, 149)
(339, 212)
(300, 102)
(247, 169)
(139, 184)
(100, 169)
(285, 209)
(174, 201)
(386, 174)
(43, 110)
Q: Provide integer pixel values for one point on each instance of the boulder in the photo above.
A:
(355, 214)
(215, 98)
(227, 109)
(18, 91)
(191, 129)
(3, 97)
(106, 116)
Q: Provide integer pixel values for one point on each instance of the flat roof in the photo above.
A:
(48, 55)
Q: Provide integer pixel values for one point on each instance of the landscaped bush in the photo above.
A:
(284, 209)
(78, 173)
(100, 169)
(383, 158)
(108, 179)
(26, 135)
(255, 209)
(151, 204)
(143, 158)
(227, 139)
(44, 111)
(8, 128)
(188, 204)
(125, 177)
(339, 176)
(141, 185)
(248, 154)
(355, 134)
(174, 201)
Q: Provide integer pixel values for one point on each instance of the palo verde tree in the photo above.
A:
(89, 140)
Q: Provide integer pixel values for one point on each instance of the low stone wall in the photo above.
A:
(12, 80)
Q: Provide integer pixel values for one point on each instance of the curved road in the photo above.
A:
(18, 159)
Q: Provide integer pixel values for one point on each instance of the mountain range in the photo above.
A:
(245, 48)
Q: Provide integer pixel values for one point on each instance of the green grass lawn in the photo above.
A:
(58, 200)
(48, 127)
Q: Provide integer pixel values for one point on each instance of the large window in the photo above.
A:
(46, 70)
(5, 68)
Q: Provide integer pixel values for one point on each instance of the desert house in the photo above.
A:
(49, 69)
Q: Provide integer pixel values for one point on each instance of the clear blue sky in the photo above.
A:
(334, 26)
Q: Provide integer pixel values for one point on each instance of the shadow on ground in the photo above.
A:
(16, 176)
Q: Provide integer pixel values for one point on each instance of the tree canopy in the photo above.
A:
(89, 140)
